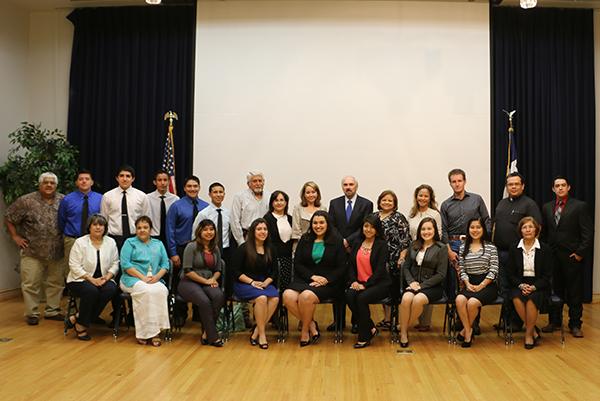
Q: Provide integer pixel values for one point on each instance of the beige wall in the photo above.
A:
(35, 53)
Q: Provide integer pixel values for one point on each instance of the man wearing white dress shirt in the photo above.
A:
(159, 202)
(248, 205)
(123, 205)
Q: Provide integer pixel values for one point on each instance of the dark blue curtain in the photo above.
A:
(543, 67)
(129, 66)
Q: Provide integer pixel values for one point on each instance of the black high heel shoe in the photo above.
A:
(362, 344)
(316, 337)
(404, 344)
(263, 346)
(538, 339)
(253, 341)
(80, 335)
(219, 343)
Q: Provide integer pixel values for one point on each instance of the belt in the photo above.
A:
(456, 237)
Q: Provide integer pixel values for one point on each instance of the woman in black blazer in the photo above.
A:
(319, 274)
(279, 223)
(369, 278)
(424, 271)
(529, 276)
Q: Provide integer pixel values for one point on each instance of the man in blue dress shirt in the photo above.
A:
(180, 219)
(75, 209)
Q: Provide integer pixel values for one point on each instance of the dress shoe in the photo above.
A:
(529, 346)
(32, 320)
(263, 346)
(550, 328)
(58, 317)
(576, 332)
(354, 329)
(219, 343)
(315, 338)
(331, 327)
(467, 344)
(305, 343)
(404, 344)
(362, 344)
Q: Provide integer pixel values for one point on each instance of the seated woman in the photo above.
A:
(529, 275)
(319, 274)
(369, 279)
(199, 283)
(144, 262)
(279, 224)
(424, 271)
(93, 264)
(310, 202)
(478, 262)
(253, 268)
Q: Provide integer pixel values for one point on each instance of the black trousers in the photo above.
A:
(359, 301)
(568, 285)
(209, 302)
(92, 299)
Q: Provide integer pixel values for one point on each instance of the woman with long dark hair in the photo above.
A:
(279, 223)
(254, 269)
(478, 262)
(319, 274)
(199, 283)
(369, 279)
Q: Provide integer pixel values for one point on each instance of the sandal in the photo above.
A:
(156, 342)
(142, 341)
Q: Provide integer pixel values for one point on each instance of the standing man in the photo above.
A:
(159, 202)
(32, 222)
(123, 205)
(456, 211)
(180, 218)
(509, 212)
(347, 214)
(248, 205)
(569, 229)
(75, 209)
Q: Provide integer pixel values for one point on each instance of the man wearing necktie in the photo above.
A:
(122, 205)
(180, 218)
(160, 202)
(75, 209)
(347, 213)
(569, 230)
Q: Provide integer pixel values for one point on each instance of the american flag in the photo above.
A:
(168, 162)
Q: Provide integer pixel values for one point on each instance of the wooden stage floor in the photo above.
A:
(39, 363)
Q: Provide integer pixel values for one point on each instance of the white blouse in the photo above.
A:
(529, 258)
(83, 259)
(284, 228)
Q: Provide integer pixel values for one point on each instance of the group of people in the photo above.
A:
(344, 254)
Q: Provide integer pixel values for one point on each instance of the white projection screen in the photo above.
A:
(395, 93)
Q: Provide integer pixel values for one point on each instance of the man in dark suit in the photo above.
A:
(568, 229)
(347, 214)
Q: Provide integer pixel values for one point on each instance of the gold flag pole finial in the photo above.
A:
(171, 115)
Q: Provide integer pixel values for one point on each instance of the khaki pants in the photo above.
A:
(68, 244)
(33, 271)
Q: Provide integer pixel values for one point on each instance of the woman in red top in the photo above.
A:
(369, 278)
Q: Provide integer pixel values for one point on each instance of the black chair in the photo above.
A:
(72, 309)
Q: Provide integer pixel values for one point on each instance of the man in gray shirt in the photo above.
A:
(248, 205)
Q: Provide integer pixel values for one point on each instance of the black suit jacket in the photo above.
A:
(378, 259)
(332, 265)
(543, 267)
(575, 230)
(283, 249)
(350, 230)
(433, 269)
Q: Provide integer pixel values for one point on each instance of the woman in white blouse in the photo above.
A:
(93, 264)
(279, 223)
(310, 202)
(529, 275)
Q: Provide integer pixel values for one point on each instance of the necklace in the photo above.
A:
(365, 250)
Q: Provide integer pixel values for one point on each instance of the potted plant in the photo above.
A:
(35, 151)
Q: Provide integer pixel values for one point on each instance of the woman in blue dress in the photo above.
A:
(254, 265)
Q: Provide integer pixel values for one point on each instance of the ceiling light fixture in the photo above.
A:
(528, 3)
(153, 1)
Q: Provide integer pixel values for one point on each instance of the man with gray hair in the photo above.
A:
(248, 205)
(32, 222)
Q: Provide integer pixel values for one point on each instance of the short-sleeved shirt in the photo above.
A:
(37, 221)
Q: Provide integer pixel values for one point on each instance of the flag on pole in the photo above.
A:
(511, 158)
(168, 162)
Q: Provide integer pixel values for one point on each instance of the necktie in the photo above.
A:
(195, 212)
(98, 271)
(125, 216)
(84, 215)
(558, 211)
(163, 217)
(220, 230)
(349, 210)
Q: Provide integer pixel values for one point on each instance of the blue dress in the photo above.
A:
(260, 271)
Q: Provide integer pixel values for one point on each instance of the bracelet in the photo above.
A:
(251, 282)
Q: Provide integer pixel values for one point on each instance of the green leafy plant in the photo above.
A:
(35, 151)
